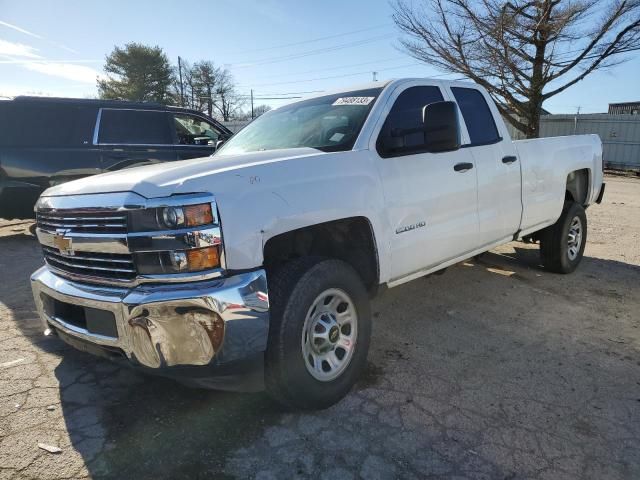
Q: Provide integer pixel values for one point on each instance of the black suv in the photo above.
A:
(48, 141)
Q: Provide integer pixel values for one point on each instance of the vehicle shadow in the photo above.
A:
(126, 425)
(114, 421)
(461, 382)
(153, 427)
(21, 256)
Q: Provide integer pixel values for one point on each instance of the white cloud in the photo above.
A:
(71, 89)
(18, 29)
(21, 61)
(79, 73)
(18, 50)
(35, 35)
(64, 47)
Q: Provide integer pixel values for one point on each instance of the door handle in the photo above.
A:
(509, 159)
(463, 167)
(117, 155)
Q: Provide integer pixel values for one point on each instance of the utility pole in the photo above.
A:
(252, 104)
(375, 76)
(181, 86)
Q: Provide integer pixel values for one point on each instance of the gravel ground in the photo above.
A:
(494, 370)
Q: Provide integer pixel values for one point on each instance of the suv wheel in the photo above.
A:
(319, 332)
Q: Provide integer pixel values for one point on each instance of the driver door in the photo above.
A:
(431, 200)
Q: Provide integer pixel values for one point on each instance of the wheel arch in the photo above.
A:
(577, 186)
(351, 239)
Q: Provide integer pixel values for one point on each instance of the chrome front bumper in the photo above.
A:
(211, 323)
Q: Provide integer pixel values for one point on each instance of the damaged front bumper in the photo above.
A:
(210, 333)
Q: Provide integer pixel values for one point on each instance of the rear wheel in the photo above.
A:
(562, 244)
(319, 332)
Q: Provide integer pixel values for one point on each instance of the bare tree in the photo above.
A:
(259, 110)
(187, 85)
(522, 51)
(227, 101)
(208, 88)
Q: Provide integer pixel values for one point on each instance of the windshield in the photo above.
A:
(330, 123)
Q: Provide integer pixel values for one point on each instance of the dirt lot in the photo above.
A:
(495, 370)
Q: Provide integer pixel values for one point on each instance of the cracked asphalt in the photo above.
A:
(494, 370)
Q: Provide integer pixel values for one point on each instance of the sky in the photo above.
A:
(283, 48)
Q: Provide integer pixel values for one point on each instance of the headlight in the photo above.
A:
(176, 237)
(171, 218)
(179, 261)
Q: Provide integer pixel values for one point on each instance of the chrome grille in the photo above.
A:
(83, 222)
(112, 266)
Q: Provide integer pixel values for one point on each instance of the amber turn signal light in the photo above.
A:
(200, 214)
(203, 258)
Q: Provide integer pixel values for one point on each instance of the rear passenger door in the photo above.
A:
(498, 167)
(48, 142)
(193, 136)
(131, 137)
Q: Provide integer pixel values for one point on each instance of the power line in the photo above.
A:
(272, 98)
(339, 67)
(313, 40)
(347, 75)
(294, 93)
(308, 53)
(592, 55)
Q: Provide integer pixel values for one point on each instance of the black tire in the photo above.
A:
(554, 246)
(292, 291)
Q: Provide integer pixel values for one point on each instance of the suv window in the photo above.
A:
(25, 124)
(134, 127)
(191, 130)
(477, 116)
(406, 113)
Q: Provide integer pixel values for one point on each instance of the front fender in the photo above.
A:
(261, 202)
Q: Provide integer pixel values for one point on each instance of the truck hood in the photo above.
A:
(165, 179)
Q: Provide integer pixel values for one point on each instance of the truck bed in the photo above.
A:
(545, 164)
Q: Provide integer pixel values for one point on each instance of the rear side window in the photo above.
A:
(134, 127)
(477, 116)
(406, 113)
(51, 125)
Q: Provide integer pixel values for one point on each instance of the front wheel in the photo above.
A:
(319, 332)
(562, 244)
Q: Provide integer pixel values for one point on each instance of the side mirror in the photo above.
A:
(441, 126)
(219, 144)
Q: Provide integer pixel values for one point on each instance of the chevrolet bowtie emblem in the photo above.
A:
(63, 244)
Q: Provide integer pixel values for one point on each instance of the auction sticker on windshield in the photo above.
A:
(353, 101)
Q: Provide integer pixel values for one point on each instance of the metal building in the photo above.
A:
(627, 108)
(620, 134)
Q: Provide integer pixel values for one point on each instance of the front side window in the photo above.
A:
(330, 123)
(477, 116)
(406, 115)
(191, 130)
(134, 127)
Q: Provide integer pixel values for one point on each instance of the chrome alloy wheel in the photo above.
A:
(329, 335)
(574, 238)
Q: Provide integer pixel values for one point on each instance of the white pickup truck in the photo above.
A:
(253, 268)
